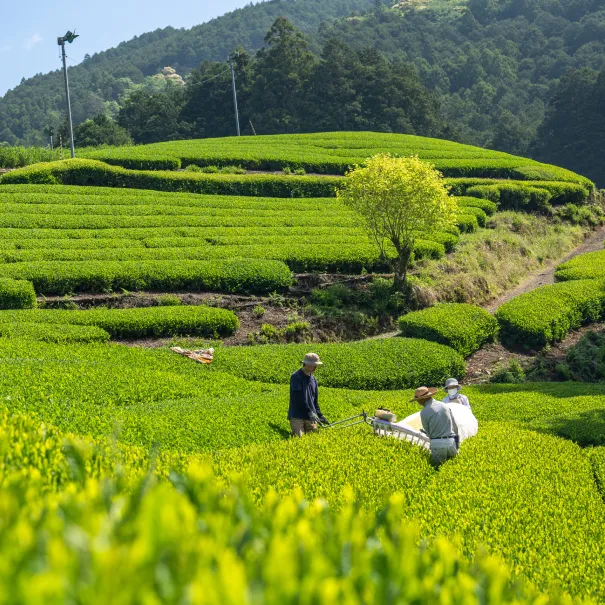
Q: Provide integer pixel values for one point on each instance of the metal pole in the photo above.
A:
(71, 126)
(234, 96)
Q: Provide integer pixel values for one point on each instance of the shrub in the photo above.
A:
(447, 240)
(428, 249)
(367, 365)
(61, 334)
(464, 328)
(168, 300)
(138, 322)
(560, 192)
(92, 172)
(547, 314)
(513, 373)
(17, 294)
(258, 276)
(585, 266)
(585, 361)
(467, 223)
(220, 546)
(476, 202)
(478, 213)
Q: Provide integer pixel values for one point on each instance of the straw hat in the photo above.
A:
(312, 359)
(451, 383)
(423, 393)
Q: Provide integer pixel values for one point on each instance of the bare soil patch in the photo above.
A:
(484, 363)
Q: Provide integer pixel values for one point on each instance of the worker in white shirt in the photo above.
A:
(452, 388)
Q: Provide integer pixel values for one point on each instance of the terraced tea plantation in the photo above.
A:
(131, 474)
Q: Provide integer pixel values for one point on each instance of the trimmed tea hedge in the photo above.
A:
(335, 153)
(137, 322)
(547, 314)
(560, 192)
(585, 266)
(91, 172)
(464, 328)
(17, 294)
(476, 202)
(61, 334)
(237, 275)
(467, 223)
(478, 213)
(396, 363)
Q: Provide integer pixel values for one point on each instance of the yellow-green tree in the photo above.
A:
(400, 200)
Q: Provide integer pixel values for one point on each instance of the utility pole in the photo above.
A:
(68, 37)
(234, 95)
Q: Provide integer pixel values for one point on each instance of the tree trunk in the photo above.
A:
(404, 254)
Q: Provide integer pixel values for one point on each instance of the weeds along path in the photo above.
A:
(546, 274)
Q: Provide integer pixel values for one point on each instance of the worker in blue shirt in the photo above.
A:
(304, 413)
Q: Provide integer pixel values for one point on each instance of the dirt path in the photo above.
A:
(546, 275)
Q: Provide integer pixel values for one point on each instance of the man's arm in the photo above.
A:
(321, 417)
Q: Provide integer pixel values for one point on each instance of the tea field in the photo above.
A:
(133, 475)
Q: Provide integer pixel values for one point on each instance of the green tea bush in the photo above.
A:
(336, 152)
(464, 328)
(596, 455)
(326, 471)
(105, 543)
(258, 276)
(94, 173)
(480, 215)
(429, 249)
(585, 266)
(513, 196)
(396, 363)
(137, 322)
(477, 202)
(61, 334)
(17, 157)
(17, 294)
(529, 498)
(467, 223)
(490, 189)
(546, 314)
(448, 240)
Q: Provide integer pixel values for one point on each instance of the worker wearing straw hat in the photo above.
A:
(439, 425)
(452, 388)
(304, 412)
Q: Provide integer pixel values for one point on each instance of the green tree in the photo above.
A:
(399, 200)
(208, 107)
(101, 130)
(154, 117)
(282, 70)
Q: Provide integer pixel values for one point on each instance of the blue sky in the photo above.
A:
(29, 28)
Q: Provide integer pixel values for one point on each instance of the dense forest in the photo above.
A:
(102, 81)
(524, 76)
(283, 89)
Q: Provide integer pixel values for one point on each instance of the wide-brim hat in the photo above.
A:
(423, 393)
(451, 383)
(312, 359)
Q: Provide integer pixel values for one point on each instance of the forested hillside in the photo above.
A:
(522, 76)
(38, 102)
(496, 65)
